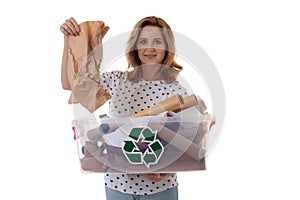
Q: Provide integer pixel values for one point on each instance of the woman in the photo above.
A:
(150, 54)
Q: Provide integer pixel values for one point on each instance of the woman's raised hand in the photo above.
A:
(70, 27)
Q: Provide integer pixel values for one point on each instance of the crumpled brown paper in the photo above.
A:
(84, 59)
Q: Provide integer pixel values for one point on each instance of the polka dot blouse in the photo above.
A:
(129, 98)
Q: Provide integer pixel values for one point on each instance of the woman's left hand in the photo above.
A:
(157, 177)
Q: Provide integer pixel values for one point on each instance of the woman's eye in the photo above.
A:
(158, 42)
(143, 42)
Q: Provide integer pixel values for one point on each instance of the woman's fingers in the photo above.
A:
(75, 24)
(157, 177)
(70, 27)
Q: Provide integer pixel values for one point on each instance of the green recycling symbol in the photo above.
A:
(154, 147)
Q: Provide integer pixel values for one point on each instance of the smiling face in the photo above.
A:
(151, 46)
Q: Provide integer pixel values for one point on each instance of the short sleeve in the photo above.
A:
(108, 80)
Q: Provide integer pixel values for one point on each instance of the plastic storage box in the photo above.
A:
(148, 144)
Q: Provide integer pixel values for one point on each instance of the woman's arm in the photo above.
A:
(70, 27)
(64, 70)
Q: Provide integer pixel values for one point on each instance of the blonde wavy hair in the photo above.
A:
(170, 69)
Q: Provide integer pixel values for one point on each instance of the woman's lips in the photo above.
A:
(150, 56)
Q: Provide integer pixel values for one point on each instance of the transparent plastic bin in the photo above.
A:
(142, 145)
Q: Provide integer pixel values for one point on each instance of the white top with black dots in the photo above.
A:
(129, 98)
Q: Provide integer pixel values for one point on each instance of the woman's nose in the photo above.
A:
(150, 48)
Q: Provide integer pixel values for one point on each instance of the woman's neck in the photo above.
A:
(151, 72)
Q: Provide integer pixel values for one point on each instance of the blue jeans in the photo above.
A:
(171, 194)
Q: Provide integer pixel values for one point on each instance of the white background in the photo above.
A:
(255, 46)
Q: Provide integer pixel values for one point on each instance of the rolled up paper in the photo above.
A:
(185, 145)
(103, 128)
(175, 103)
(166, 105)
(188, 101)
(94, 134)
(84, 59)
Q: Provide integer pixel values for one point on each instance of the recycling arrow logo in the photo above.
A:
(153, 151)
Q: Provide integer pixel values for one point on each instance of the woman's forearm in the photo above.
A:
(64, 66)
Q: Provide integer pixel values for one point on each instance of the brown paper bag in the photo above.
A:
(84, 59)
